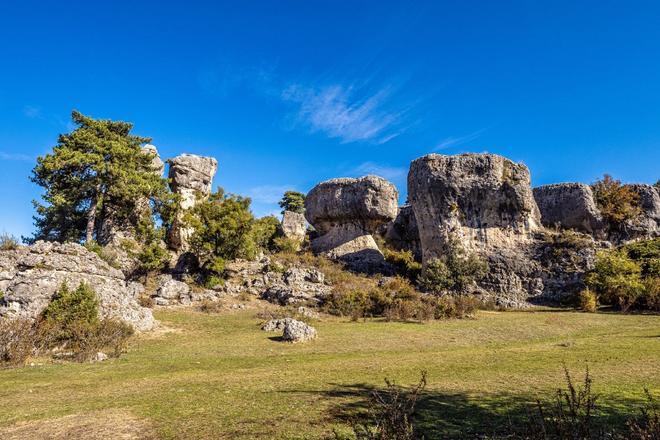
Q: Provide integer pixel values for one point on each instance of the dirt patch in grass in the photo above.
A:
(110, 423)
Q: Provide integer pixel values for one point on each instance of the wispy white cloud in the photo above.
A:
(341, 112)
(16, 157)
(32, 111)
(268, 194)
(385, 171)
(455, 141)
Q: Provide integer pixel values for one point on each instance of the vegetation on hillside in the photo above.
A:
(617, 203)
(69, 327)
(96, 169)
(628, 276)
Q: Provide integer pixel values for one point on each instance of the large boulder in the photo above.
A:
(191, 177)
(294, 225)
(569, 206)
(346, 212)
(483, 203)
(30, 276)
(483, 200)
(297, 331)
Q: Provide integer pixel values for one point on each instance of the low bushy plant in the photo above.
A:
(403, 262)
(617, 203)
(8, 242)
(588, 300)
(286, 245)
(454, 271)
(18, 341)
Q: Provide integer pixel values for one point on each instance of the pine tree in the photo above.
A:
(97, 168)
(293, 201)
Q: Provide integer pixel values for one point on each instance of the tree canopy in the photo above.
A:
(97, 170)
(293, 201)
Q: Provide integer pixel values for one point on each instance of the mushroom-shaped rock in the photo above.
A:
(483, 200)
(568, 205)
(346, 212)
(191, 177)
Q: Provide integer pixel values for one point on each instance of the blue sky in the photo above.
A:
(286, 94)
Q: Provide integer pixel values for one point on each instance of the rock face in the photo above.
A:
(647, 224)
(30, 276)
(191, 177)
(298, 331)
(294, 225)
(484, 203)
(569, 206)
(298, 286)
(402, 233)
(346, 212)
(483, 200)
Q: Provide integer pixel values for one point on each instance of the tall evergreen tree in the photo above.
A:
(98, 167)
(293, 201)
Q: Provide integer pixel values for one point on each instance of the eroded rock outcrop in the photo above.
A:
(569, 206)
(647, 223)
(484, 203)
(346, 212)
(30, 276)
(191, 177)
(294, 225)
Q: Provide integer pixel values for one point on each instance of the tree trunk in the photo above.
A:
(91, 221)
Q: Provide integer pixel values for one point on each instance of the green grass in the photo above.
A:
(219, 376)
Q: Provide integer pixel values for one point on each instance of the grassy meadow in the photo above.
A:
(219, 376)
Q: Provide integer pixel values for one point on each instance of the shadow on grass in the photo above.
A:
(442, 415)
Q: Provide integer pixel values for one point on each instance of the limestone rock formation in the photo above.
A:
(346, 212)
(402, 233)
(294, 225)
(484, 203)
(157, 163)
(30, 276)
(569, 206)
(647, 224)
(484, 200)
(191, 177)
(298, 331)
(298, 285)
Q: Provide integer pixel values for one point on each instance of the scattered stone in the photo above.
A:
(30, 276)
(346, 212)
(298, 331)
(171, 291)
(100, 357)
(307, 312)
(274, 325)
(569, 206)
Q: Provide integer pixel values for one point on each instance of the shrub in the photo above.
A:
(223, 229)
(453, 272)
(588, 301)
(264, 232)
(616, 279)
(647, 426)
(71, 322)
(616, 202)
(152, 257)
(286, 245)
(390, 413)
(18, 340)
(404, 262)
(8, 242)
(106, 254)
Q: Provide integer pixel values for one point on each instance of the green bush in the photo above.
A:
(71, 322)
(616, 279)
(403, 262)
(616, 202)
(293, 201)
(588, 301)
(264, 232)
(286, 245)
(453, 272)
